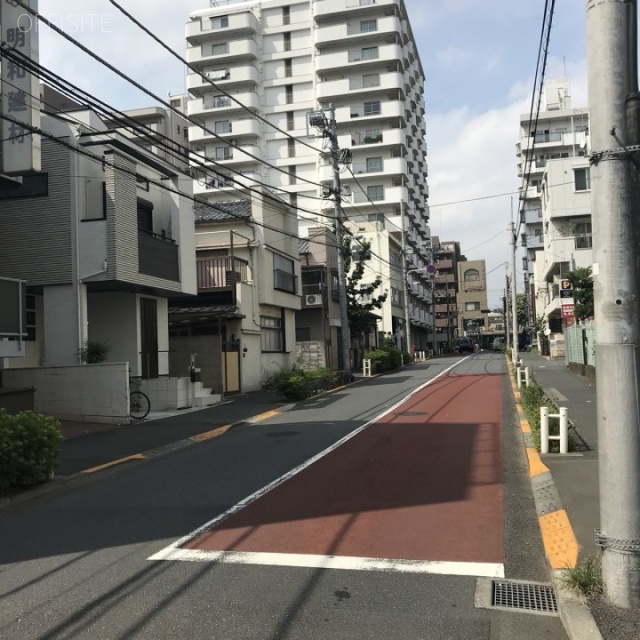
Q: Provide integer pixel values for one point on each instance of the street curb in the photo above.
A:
(560, 544)
(61, 482)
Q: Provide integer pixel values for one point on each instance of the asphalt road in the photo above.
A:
(78, 564)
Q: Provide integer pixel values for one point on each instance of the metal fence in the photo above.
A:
(580, 343)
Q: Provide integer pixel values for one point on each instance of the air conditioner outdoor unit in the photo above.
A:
(315, 298)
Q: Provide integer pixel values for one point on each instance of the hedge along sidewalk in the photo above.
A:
(30, 445)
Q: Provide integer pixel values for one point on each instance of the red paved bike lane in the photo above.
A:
(423, 483)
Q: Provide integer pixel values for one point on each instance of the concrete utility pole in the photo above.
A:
(507, 340)
(514, 295)
(612, 76)
(339, 217)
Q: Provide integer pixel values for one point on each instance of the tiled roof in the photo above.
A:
(222, 211)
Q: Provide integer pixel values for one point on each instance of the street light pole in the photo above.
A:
(339, 217)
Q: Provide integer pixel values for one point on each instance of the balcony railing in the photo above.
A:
(220, 273)
(158, 256)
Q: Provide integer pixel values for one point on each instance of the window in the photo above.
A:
(471, 275)
(224, 153)
(288, 68)
(36, 184)
(286, 15)
(291, 147)
(284, 275)
(375, 192)
(369, 53)
(175, 103)
(272, 333)
(290, 123)
(374, 164)
(222, 126)
(292, 174)
(471, 306)
(372, 136)
(289, 94)
(367, 26)
(219, 49)
(216, 102)
(30, 324)
(396, 297)
(145, 216)
(220, 22)
(582, 233)
(286, 39)
(582, 179)
(371, 80)
(372, 108)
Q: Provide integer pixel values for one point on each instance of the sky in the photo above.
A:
(479, 58)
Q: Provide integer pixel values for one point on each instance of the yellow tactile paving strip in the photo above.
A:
(560, 544)
(559, 541)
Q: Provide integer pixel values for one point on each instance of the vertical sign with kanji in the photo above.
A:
(20, 100)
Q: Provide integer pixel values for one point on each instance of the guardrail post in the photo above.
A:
(544, 429)
(366, 368)
(564, 430)
(526, 376)
(519, 377)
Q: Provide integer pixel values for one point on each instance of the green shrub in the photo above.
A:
(29, 448)
(387, 358)
(586, 578)
(299, 384)
(407, 357)
(93, 352)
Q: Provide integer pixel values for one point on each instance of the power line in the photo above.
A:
(203, 76)
(150, 93)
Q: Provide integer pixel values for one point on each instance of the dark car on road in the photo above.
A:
(465, 344)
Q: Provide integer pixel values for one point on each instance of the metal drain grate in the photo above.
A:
(524, 596)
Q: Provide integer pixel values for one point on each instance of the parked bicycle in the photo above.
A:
(139, 404)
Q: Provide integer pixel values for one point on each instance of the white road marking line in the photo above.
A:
(293, 472)
(479, 569)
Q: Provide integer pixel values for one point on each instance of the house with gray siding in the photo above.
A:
(103, 236)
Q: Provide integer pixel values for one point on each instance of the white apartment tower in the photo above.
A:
(272, 62)
(560, 132)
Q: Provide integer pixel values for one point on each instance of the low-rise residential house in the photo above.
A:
(240, 330)
(102, 237)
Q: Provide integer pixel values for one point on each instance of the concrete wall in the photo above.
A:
(92, 393)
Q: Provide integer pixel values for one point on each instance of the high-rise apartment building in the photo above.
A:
(272, 62)
(560, 131)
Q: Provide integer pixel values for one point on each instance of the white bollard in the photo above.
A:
(564, 430)
(526, 376)
(519, 377)
(544, 429)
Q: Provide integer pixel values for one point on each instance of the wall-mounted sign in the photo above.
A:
(20, 100)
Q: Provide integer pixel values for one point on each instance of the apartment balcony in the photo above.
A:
(222, 106)
(388, 195)
(339, 34)
(245, 128)
(342, 60)
(554, 139)
(333, 89)
(390, 166)
(204, 28)
(233, 157)
(232, 53)
(329, 8)
(225, 78)
(158, 256)
(222, 273)
(225, 189)
(393, 109)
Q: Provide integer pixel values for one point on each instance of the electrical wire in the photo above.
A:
(204, 77)
(150, 93)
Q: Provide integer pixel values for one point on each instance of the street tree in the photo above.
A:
(362, 298)
(581, 281)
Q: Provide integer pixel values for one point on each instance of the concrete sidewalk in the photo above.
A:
(577, 480)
